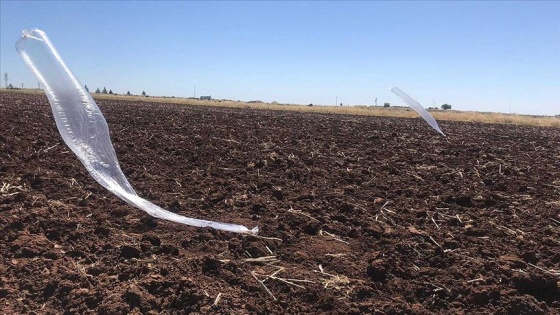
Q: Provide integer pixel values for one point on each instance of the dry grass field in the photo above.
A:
(450, 115)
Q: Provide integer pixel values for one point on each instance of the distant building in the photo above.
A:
(206, 97)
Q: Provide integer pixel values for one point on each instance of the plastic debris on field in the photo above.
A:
(84, 129)
(418, 108)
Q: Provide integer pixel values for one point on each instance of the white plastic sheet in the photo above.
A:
(84, 129)
(418, 108)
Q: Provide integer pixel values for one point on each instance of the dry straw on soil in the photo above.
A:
(451, 115)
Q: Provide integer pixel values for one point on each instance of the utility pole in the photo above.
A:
(376, 101)
(6, 80)
(336, 101)
(22, 86)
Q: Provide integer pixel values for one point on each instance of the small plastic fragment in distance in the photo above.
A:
(84, 129)
(418, 108)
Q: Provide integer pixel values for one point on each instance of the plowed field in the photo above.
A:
(356, 215)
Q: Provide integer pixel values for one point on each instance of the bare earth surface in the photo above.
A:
(360, 214)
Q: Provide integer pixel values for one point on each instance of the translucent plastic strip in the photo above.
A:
(417, 107)
(84, 129)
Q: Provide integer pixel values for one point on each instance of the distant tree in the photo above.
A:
(10, 86)
(110, 91)
(445, 106)
(85, 86)
(104, 90)
(387, 105)
(97, 91)
(143, 93)
(128, 93)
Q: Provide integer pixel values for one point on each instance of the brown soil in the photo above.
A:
(360, 214)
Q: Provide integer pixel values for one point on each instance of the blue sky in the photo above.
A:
(483, 56)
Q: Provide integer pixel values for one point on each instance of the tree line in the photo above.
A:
(104, 91)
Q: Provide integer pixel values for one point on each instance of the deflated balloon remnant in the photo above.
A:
(418, 108)
(84, 129)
